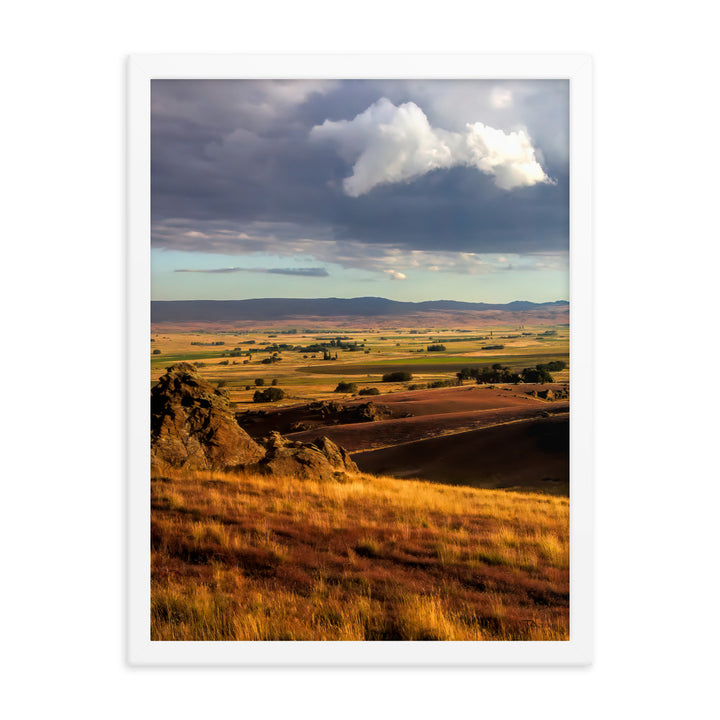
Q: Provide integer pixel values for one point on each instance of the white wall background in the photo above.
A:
(61, 167)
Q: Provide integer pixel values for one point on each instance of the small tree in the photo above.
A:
(259, 382)
(272, 394)
(346, 387)
(274, 382)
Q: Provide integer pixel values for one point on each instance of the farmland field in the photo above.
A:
(305, 376)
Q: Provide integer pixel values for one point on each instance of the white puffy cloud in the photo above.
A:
(391, 144)
(395, 275)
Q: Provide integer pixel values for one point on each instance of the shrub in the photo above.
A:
(397, 376)
(554, 366)
(274, 382)
(368, 391)
(346, 387)
(272, 394)
(259, 382)
(156, 352)
(443, 383)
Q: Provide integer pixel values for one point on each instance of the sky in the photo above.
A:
(405, 189)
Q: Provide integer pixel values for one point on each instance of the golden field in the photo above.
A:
(245, 557)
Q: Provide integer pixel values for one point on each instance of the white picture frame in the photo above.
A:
(141, 70)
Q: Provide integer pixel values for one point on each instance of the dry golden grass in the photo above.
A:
(239, 557)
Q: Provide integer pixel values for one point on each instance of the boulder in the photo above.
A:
(193, 425)
(319, 460)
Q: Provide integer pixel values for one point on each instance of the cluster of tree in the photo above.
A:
(547, 333)
(497, 373)
(218, 342)
(277, 347)
(538, 374)
(436, 348)
(492, 347)
(397, 376)
(323, 346)
(271, 394)
(271, 360)
(237, 352)
(368, 391)
(494, 374)
(346, 387)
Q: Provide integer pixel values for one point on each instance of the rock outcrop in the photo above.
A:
(193, 425)
(333, 412)
(549, 394)
(319, 460)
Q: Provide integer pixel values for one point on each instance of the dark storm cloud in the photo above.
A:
(298, 272)
(234, 170)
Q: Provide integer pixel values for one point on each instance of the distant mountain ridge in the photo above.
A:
(218, 311)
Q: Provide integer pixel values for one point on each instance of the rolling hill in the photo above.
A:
(272, 309)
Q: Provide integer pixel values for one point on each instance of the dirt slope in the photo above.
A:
(530, 454)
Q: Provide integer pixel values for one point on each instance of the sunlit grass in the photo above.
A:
(239, 557)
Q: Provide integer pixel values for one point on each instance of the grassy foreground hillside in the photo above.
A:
(240, 557)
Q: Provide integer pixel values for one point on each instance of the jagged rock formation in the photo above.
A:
(193, 425)
(319, 460)
(549, 394)
(334, 412)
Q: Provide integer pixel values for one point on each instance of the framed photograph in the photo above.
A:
(360, 360)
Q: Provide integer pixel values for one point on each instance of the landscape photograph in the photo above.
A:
(360, 360)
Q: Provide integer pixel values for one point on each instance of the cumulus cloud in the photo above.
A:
(298, 272)
(391, 144)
